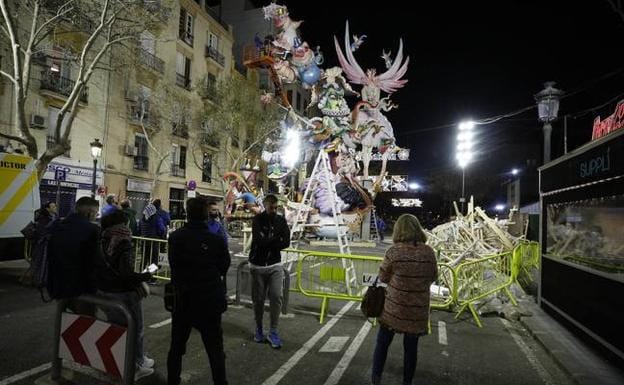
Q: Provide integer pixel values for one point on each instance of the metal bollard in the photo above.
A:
(129, 362)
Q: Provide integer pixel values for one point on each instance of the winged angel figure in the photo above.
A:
(372, 126)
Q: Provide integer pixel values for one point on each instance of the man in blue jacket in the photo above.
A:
(199, 260)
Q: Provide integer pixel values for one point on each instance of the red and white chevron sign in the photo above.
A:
(93, 343)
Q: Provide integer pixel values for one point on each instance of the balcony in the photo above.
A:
(176, 170)
(215, 55)
(53, 81)
(151, 61)
(209, 139)
(141, 162)
(51, 141)
(183, 81)
(186, 37)
(137, 116)
(180, 130)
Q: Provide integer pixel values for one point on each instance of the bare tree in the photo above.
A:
(234, 106)
(29, 25)
(618, 7)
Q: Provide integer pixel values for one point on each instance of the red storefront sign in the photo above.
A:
(610, 124)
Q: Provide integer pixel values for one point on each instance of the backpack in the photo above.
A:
(40, 262)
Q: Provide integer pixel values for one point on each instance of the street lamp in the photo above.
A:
(96, 151)
(464, 153)
(515, 171)
(547, 109)
(414, 186)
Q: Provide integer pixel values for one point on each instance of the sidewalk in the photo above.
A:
(584, 365)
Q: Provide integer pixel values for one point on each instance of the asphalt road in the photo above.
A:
(336, 352)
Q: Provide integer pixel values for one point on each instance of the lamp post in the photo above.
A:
(96, 151)
(547, 109)
(464, 154)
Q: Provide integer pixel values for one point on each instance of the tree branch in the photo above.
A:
(617, 8)
(11, 78)
(15, 138)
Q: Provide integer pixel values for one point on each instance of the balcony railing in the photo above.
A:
(215, 55)
(51, 141)
(148, 118)
(180, 130)
(141, 162)
(209, 139)
(183, 81)
(176, 170)
(186, 37)
(151, 61)
(53, 81)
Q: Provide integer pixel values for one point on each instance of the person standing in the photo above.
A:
(214, 224)
(198, 261)
(163, 214)
(122, 284)
(409, 267)
(270, 235)
(110, 206)
(381, 228)
(131, 216)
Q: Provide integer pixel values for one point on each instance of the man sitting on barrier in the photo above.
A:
(270, 235)
(198, 261)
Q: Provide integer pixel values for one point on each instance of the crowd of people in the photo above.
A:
(92, 258)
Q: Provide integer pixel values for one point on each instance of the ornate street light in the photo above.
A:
(464, 153)
(547, 109)
(96, 152)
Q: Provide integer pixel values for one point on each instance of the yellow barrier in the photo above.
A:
(334, 276)
(151, 250)
(177, 223)
(479, 278)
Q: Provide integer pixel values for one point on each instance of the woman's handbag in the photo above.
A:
(373, 301)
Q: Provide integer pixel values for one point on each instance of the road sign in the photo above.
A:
(88, 341)
(60, 175)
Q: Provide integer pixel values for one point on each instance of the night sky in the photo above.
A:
(478, 60)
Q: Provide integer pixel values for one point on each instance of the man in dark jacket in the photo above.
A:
(199, 262)
(270, 235)
(75, 252)
(131, 215)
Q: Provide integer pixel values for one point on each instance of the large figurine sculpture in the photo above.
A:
(348, 135)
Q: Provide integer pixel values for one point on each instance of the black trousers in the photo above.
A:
(212, 336)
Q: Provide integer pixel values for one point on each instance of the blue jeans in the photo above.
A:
(410, 352)
(132, 300)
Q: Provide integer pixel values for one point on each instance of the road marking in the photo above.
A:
(339, 370)
(160, 324)
(284, 369)
(334, 344)
(442, 333)
(541, 371)
(26, 374)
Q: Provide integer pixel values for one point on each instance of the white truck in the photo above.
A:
(19, 198)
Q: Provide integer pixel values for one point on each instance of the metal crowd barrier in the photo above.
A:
(151, 250)
(529, 256)
(482, 277)
(327, 276)
(75, 327)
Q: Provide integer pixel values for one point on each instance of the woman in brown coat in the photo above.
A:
(408, 269)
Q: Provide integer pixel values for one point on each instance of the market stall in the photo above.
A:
(582, 236)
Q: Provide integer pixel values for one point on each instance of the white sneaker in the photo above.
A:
(148, 362)
(141, 372)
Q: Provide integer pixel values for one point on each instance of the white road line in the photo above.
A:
(334, 344)
(442, 333)
(26, 374)
(284, 369)
(541, 371)
(339, 370)
(160, 324)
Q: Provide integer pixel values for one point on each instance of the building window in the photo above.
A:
(185, 27)
(207, 168)
(178, 160)
(52, 119)
(176, 203)
(183, 71)
(141, 160)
